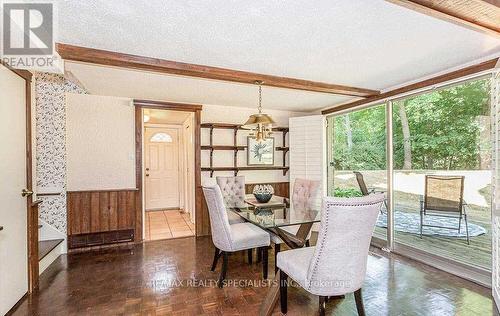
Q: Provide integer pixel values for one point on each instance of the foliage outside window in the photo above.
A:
(448, 129)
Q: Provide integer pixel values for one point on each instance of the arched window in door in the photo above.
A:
(161, 138)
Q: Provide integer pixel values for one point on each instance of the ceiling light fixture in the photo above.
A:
(260, 124)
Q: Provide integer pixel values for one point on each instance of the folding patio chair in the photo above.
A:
(365, 190)
(444, 198)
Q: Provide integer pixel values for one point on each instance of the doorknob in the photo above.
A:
(147, 169)
(26, 192)
(147, 174)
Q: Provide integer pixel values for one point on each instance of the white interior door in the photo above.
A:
(162, 168)
(13, 213)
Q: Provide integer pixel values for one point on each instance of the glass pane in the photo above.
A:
(161, 138)
(440, 138)
(357, 156)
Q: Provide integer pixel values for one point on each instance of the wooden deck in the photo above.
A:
(478, 253)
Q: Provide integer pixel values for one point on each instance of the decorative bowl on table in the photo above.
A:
(263, 192)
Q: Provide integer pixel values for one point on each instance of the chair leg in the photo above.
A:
(224, 270)
(322, 305)
(308, 244)
(467, 229)
(250, 253)
(421, 223)
(283, 292)
(277, 248)
(359, 303)
(459, 223)
(216, 258)
(259, 254)
(264, 262)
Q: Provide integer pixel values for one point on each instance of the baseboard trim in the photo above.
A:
(16, 306)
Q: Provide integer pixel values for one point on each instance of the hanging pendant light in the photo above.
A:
(261, 124)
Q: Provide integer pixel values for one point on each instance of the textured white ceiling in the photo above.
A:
(154, 86)
(365, 43)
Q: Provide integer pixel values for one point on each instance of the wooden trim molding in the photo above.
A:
(100, 190)
(478, 15)
(109, 58)
(487, 65)
(33, 262)
(202, 225)
(138, 173)
(162, 105)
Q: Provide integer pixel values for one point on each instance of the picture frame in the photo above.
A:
(260, 153)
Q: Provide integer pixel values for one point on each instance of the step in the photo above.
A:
(46, 246)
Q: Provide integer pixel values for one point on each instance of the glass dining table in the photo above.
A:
(274, 219)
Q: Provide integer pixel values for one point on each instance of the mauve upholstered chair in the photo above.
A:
(233, 193)
(230, 238)
(337, 264)
(303, 196)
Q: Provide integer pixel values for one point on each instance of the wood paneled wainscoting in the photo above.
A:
(280, 188)
(101, 217)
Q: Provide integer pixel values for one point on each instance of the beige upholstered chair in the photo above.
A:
(337, 264)
(303, 197)
(233, 192)
(304, 193)
(230, 238)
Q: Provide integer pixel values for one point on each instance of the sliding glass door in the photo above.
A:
(357, 156)
(440, 178)
(442, 172)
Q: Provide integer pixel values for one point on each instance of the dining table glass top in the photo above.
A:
(274, 217)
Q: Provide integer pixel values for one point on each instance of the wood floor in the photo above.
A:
(152, 279)
(167, 224)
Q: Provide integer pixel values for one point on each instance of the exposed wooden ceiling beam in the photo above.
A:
(487, 65)
(108, 58)
(479, 15)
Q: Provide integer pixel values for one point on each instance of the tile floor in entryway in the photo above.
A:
(167, 224)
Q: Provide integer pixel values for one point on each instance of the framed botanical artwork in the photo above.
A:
(260, 153)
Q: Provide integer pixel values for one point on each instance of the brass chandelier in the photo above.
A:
(260, 124)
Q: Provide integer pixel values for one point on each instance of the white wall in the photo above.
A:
(239, 115)
(100, 143)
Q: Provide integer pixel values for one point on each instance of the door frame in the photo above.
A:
(139, 127)
(31, 206)
(179, 150)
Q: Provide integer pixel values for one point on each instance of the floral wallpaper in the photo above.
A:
(50, 98)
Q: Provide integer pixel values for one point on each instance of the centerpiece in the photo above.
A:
(263, 192)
